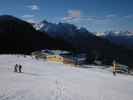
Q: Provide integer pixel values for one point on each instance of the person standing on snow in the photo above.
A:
(20, 68)
(16, 68)
(114, 68)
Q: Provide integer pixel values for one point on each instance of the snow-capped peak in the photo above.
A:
(114, 33)
(38, 26)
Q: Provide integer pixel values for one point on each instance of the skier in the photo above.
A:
(15, 68)
(114, 68)
(20, 68)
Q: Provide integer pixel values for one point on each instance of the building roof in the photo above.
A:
(55, 52)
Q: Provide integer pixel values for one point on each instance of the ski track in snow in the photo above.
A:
(44, 80)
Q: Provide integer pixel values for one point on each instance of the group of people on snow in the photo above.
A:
(18, 68)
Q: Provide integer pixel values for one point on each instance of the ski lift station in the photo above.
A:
(59, 56)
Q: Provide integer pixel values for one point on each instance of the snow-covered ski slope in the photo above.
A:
(43, 80)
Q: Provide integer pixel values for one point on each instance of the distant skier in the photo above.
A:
(114, 68)
(16, 68)
(20, 68)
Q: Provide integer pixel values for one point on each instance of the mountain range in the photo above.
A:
(124, 38)
(68, 31)
(18, 36)
(81, 39)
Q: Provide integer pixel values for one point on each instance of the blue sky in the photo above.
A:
(95, 15)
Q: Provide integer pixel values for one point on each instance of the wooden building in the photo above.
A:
(60, 56)
(55, 55)
(55, 58)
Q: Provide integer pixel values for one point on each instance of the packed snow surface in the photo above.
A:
(42, 80)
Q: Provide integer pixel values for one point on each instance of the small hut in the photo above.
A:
(54, 55)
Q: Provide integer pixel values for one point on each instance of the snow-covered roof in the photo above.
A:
(55, 52)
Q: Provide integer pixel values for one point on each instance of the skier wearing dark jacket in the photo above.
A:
(15, 68)
(20, 68)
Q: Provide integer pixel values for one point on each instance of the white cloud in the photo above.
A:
(129, 16)
(77, 16)
(72, 14)
(89, 18)
(111, 16)
(28, 16)
(33, 7)
(81, 19)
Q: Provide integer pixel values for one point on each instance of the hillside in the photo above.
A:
(124, 38)
(43, 80)
(126, 41)
(18, 36)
